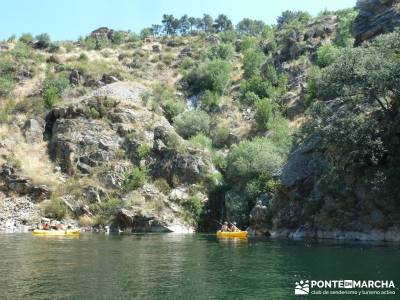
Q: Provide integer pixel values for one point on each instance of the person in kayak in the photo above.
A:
(234, 227)
(225, 227)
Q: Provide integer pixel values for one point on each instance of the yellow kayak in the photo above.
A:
(228, 234)
(68, 232)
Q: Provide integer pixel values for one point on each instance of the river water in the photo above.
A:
(168, 266)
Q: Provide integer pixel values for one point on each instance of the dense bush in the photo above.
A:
(344, 37)
(143, 151)
(258, 86)
(249, 42)
(22, 51)
(194, 207)
(118, 38)
(266, 110)
(220, 136)
(191, 122)
(51, 96)
(55, 208)
(326, 55)
(365, 73)
(135, 178)
(200, 140)
(26, 38)
(221, 51)
(252, 60)
(209, 100)
(210, 75)
(53, 86)
(43, 41)
(250, 159)
(172, 108)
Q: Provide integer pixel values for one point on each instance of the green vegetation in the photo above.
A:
(251, 159)
(210, 75)
(266, 111)
(200, 140)
(361, 137)
(209, 100)
(252, 61)
(135, 178)
(53, 86)
(326, 55)
(143, 151)
(193, 207)
(55, 208)
(260, 92)
(172, 108)
(222, 51)
(192, 122)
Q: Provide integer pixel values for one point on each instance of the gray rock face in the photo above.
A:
(17, 214)
(102, 33)
(156, 214)
(114, 178)
(94, 194)
(302, 164)
(34, 130)
(375, 17)
(79, 142)
(190, 166)
(22, 185)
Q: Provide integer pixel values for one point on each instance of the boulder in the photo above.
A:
(94, 194)
(102, 33)
(156, 48)
(185, 52)
(76, 77)
(34, 130)
(238, 45)
(4, 46)
(107, 79)
(178, 195)
(213, 39)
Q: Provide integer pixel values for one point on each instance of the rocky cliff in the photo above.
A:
(177, 132)
(375, 17)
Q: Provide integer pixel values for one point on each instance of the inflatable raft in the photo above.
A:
(68, 232)
(228, 234)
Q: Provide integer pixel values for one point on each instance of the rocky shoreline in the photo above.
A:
(390, 235)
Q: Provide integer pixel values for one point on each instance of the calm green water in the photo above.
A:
(97, 266)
